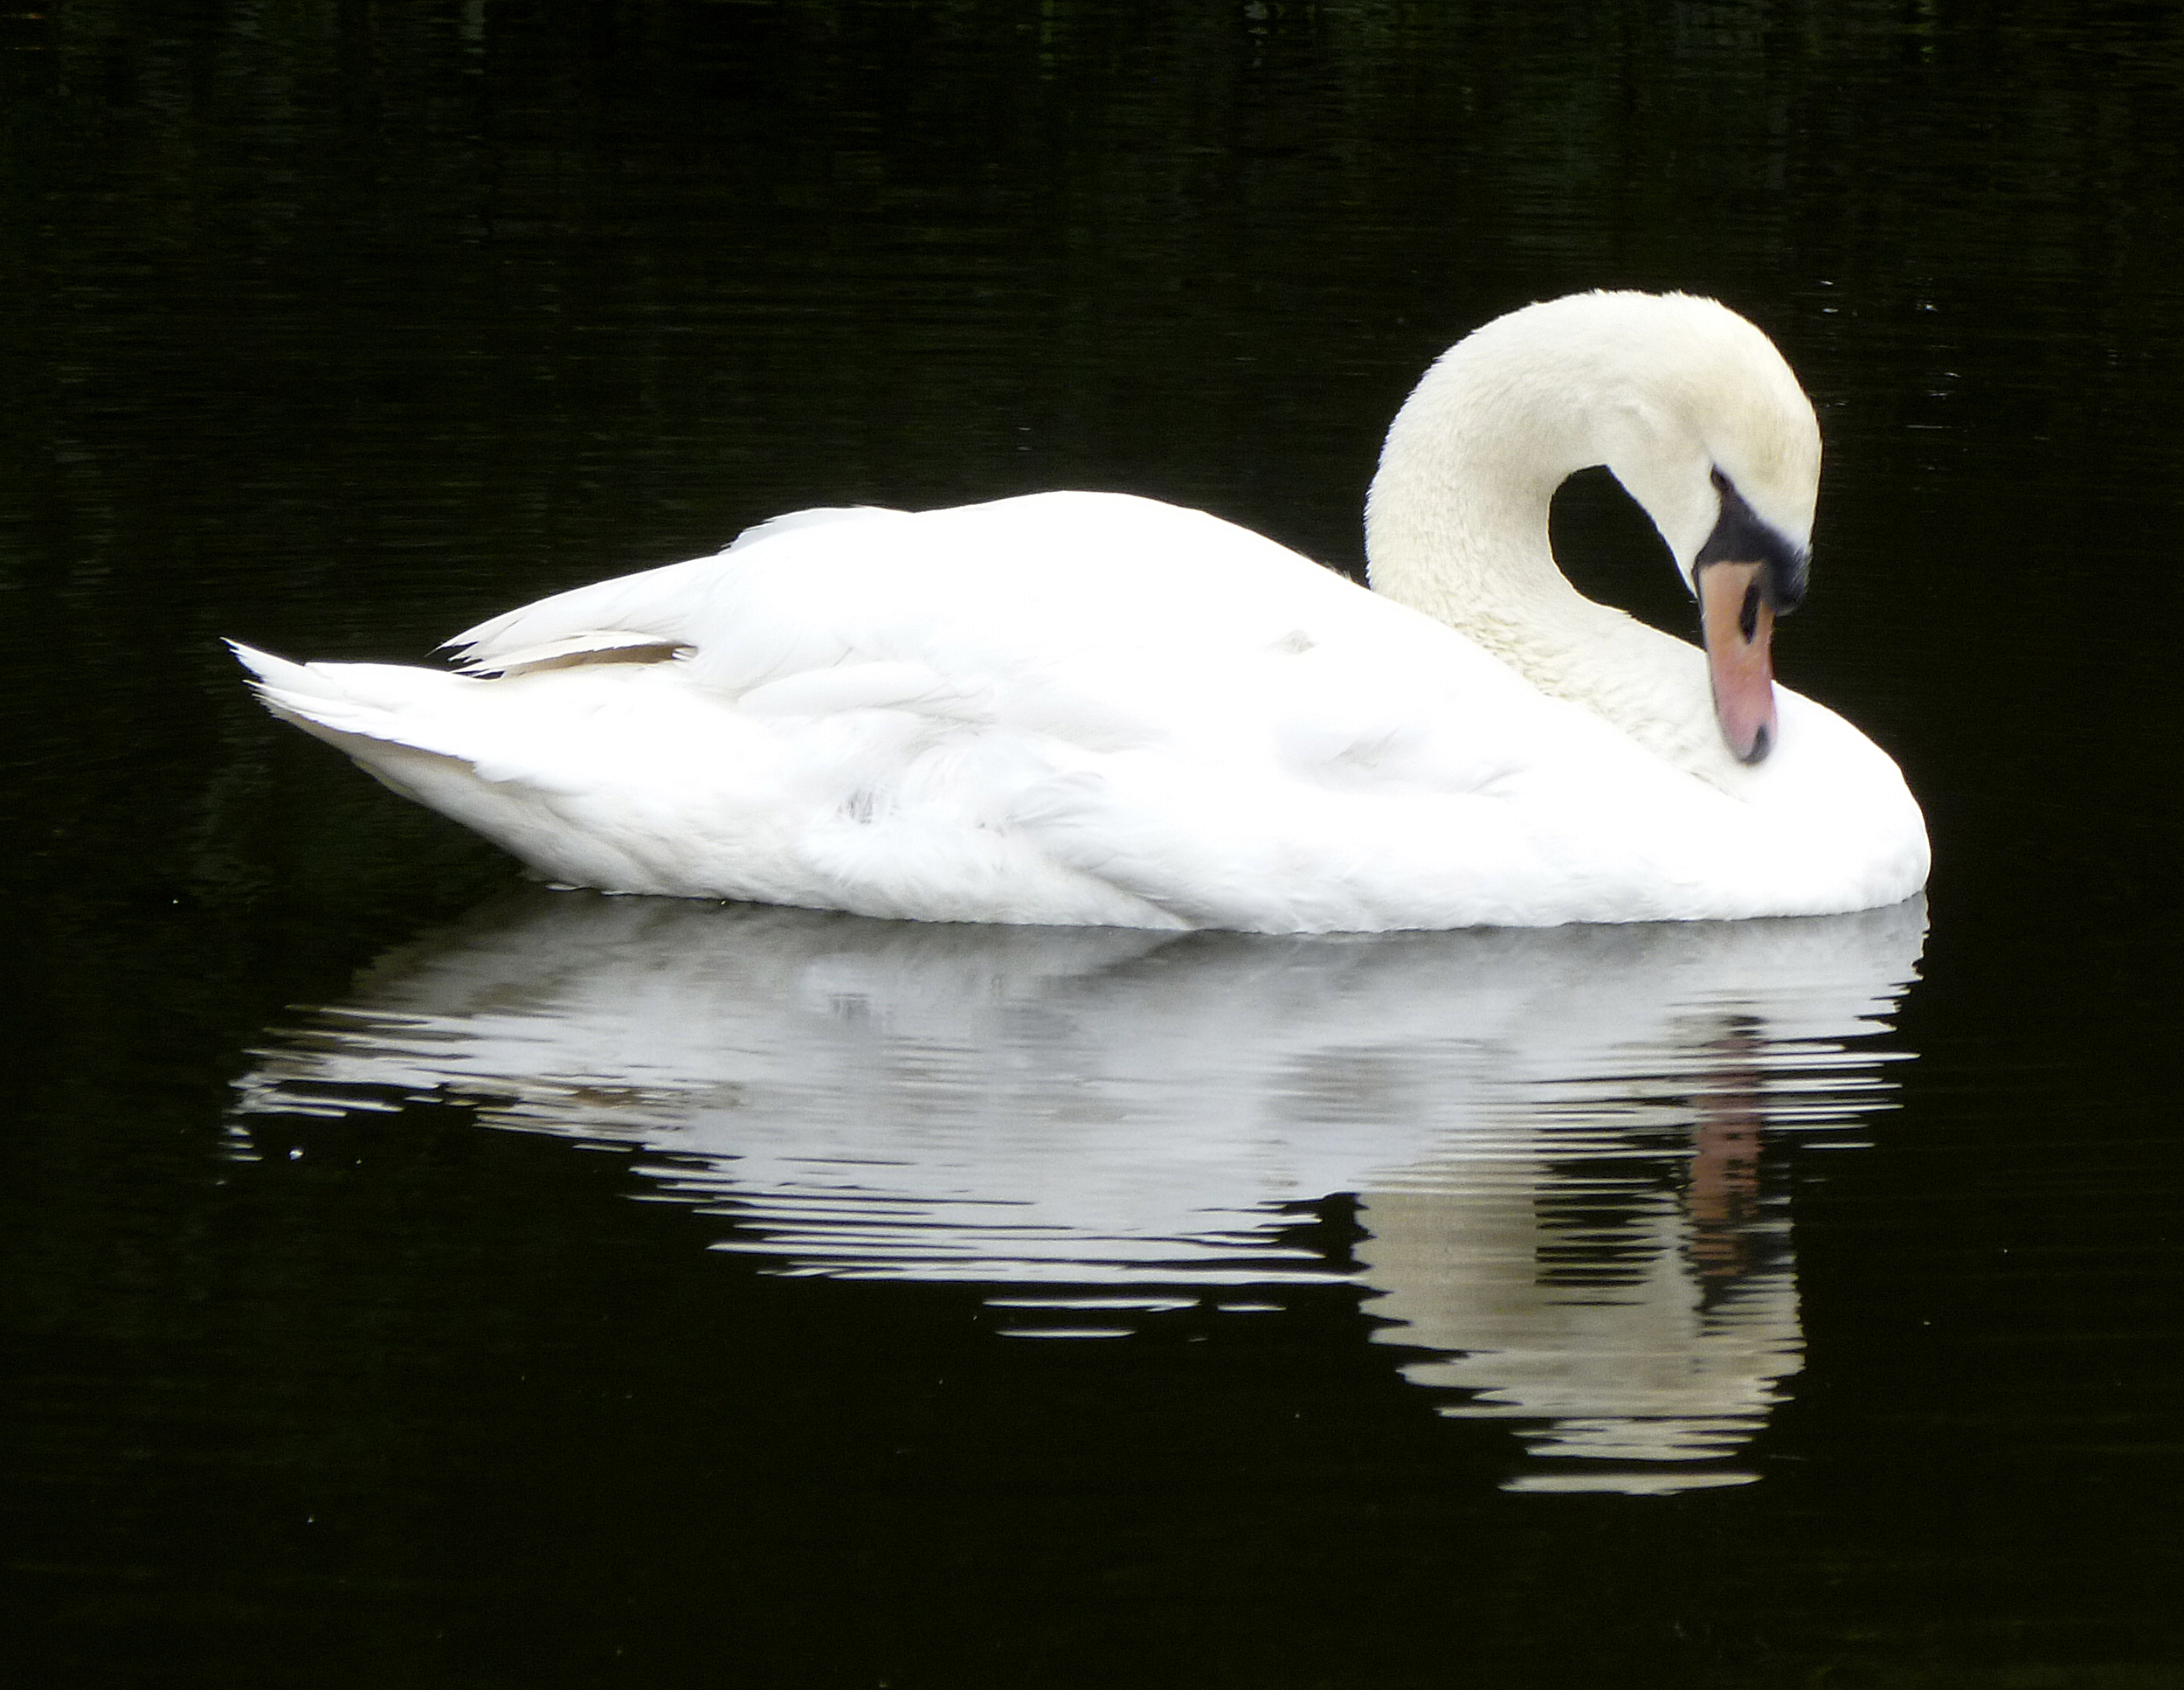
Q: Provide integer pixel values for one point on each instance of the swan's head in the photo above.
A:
(1702, 423)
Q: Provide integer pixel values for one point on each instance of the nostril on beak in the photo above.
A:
(1748, 617)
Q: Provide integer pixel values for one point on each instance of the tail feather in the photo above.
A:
(384, 701)
(482, 752)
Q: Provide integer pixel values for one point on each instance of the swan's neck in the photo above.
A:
(1456, 527)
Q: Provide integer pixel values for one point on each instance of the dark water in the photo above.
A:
(1790, 1305)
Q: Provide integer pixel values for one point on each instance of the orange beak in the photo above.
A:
(1737, 624)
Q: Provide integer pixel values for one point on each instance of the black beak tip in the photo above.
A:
(1762, 743)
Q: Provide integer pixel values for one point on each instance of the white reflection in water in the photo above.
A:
(1552, 1137)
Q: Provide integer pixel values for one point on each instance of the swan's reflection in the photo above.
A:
(1553, 1137)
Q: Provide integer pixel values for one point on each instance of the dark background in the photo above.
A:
(338, 326)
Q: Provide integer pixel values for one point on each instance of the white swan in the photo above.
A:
(1084, 708)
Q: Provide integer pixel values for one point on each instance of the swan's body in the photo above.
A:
(1092, 709)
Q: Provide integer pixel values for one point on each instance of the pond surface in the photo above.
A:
(412, 1276)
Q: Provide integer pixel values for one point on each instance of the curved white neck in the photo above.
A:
(1456, 527)
(1456, 519)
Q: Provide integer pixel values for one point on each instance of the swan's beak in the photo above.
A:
(1737, 623)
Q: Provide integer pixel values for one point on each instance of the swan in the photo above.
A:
(1093, 708)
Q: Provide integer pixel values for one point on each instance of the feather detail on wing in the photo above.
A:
(592, 646)
(633, 618)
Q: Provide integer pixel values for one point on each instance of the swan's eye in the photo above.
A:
(1741, 535)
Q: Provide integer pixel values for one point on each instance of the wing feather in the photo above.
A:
(664, 607)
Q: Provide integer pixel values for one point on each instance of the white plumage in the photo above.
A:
(1089, 708)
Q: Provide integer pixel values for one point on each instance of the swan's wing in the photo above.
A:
(656, 613)
(1061, 592)
(1101, 622)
